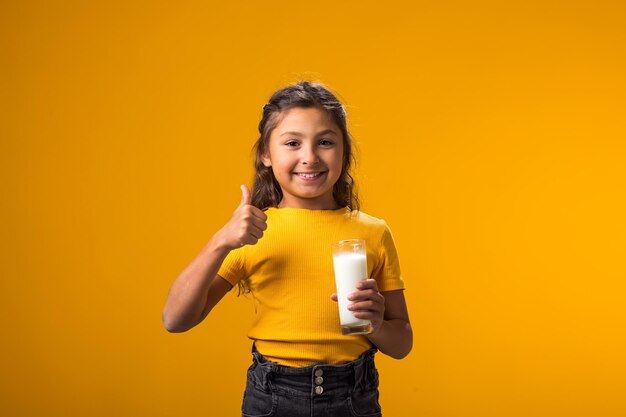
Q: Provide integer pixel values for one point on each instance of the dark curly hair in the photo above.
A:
(266, 191)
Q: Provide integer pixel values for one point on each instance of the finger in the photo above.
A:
(368, 305)
(250, 240)
(258, 213)
(246, 198)
(260, 224)
(367, 315)
(255, 231)
(368, 294)
(252, 214)
(333, 296)
(367, 284)
(251, 211)
(376, 313)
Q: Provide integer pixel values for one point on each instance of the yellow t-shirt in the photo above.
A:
(290, 275)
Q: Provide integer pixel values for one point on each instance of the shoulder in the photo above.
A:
(376, 229)
(368, 220)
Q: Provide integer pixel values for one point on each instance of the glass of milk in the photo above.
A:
(350, 263)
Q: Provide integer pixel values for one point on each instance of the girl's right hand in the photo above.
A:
(246, 226)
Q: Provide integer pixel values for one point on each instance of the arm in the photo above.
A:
(394, 336)
(392, 333)
(198, 288)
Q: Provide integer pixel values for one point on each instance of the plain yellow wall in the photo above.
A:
(491, 137)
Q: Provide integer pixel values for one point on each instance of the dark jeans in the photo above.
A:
(349, 389)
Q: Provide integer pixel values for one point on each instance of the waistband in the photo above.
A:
(315, 380)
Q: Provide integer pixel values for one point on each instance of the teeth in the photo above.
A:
(309, 175)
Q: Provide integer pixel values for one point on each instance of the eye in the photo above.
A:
(292, 143)
(326, 142)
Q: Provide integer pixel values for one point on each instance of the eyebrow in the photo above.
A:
(323, 132)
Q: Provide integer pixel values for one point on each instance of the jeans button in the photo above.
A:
(319, 372)
(319, 380)
(319, 390)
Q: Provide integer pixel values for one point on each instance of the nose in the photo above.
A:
(309, 155)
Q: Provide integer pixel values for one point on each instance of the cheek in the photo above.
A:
(282, 169)
(338, 161)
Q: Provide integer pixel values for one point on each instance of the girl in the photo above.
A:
(277, 245)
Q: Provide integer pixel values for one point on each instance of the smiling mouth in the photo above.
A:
(308, 175)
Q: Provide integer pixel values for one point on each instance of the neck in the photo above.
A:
(333, 206)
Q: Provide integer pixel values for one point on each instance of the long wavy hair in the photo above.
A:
(266, 191)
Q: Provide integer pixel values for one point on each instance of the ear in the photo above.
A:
(265, 158)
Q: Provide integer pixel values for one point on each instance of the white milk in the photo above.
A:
(350, 268)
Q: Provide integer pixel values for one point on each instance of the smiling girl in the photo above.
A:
(277, 246)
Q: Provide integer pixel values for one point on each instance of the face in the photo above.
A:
(306, 154)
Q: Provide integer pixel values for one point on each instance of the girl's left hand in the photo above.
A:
(368, 303)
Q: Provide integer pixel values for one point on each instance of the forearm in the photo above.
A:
(188, 295)
(393, 338)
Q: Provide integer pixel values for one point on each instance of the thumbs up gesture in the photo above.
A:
(246, 226)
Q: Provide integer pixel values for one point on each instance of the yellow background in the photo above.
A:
(491, 137)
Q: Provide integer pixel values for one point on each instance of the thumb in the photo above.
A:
(245, 195)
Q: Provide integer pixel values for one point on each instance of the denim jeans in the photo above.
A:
(349, 389)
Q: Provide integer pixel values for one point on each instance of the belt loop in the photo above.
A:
(256, 355)
(365, 374)
(261, 371)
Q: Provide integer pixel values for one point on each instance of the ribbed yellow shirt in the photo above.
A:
(290, 275)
